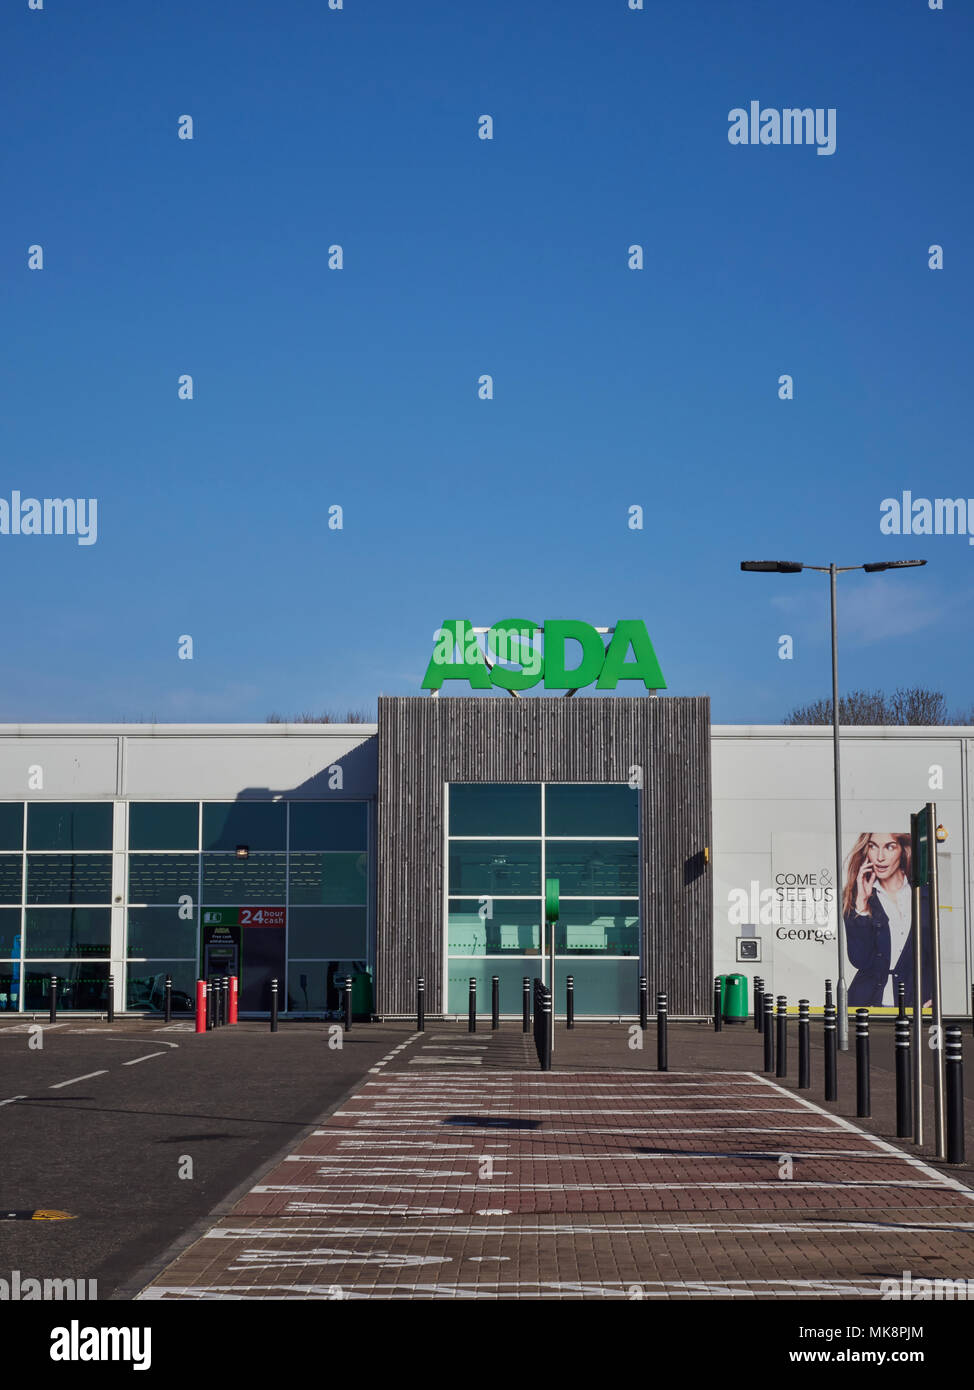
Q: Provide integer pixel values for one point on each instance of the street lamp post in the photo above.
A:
(792, 567)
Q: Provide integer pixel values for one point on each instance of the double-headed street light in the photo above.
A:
(791, 567)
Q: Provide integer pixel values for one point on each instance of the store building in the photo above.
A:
(420, 846)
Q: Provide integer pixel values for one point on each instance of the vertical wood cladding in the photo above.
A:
(425, 742)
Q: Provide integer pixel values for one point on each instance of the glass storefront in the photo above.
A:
(504, 840)
(255, 884)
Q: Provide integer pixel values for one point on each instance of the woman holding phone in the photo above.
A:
(877, 908)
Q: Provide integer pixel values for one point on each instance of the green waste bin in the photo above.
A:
(362, 994)
(733, 998)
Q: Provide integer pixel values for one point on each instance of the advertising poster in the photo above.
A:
(794, 921)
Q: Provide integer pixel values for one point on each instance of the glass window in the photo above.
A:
(69, 878)
(164, 825)
(495, 808)
(598, 928)
(329, 878)
(495, 928)
(329, 825)
(69, 824)
(81, 985)
(11, 878)
(510, 974)
(257, 881)
(601, 986)
(160, 931)
(583, 809)
(317, 986)
(330, 932)
(597, 868)
(145, 985)
(11, 825)
(9, 932)
(257, 824)
(509, 867)
(68, 931)
(163, 878)
(9, 988)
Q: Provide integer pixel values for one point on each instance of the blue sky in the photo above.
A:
(612, 387)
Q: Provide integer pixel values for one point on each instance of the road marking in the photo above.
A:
(12, 1099)
(39, 1214)
(135, 1060)
(780, 1186)
(87, 1077)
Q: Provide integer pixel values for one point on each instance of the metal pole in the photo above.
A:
(804, 1046)
(831, 1059)
(472, 1005)
(661, 1048)
(526, 1005)
(782, 1068)
(936, 996)
(843, 993)
(862, 1064)
(768, 1031)
(273, 1006)
(643, 1003)
(168, 999)
(495, 1001)
(570, 1002)
(955, 1096)
(904, 1115)
(917, 1016)
(420, 1004)
(718, 1021)
(758, 1003)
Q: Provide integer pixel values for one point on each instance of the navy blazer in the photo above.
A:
(869, 947)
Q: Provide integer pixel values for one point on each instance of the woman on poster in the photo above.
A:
(877, 907)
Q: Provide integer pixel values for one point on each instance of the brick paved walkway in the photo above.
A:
(446, 1177)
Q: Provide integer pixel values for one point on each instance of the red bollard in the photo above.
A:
(233, 998)
(201, 1006)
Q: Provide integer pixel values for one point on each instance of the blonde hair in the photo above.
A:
(857, 857)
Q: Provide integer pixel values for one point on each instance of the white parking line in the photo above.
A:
(12, 1099)
(87, 1077)
(135, 1060)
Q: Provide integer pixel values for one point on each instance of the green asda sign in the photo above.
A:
(457, 656)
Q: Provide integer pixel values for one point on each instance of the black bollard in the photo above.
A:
(828, 993)
(495, 1001)
(570, 1002)
(209, 1006)
(901, 999)
(862, 1064)
(804, 1046)
(348, 1003)
(831, 1051)
(526, 1005)
(472, 1005)
(111, 999)
(226, 999)
(718, 1019)
(954, 1053)
(420, 1004)
(546, 1004)
(53, 1013)
(782, 1067)
(662, 1063)
(972, 1006)
(758, 1004)
(273, 1006)
(168, 999)
(904, 1087)
(643, 1003)
(217, 1004)
(768, 1030)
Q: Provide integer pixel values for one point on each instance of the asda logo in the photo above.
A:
(510, 655)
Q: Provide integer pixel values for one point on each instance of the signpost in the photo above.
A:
(551, 917)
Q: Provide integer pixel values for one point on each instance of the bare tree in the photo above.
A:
(352, 716)
(913, 706)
